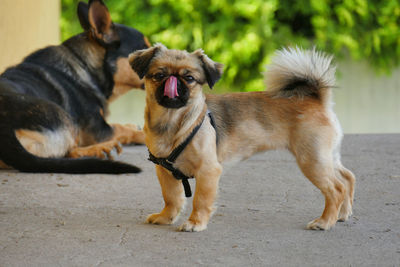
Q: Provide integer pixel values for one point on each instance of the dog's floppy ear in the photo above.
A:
(100, 23)
(140, 60)
(83, 15)
(213, 70)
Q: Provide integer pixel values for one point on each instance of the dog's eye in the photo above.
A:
(189, 79)
(159, 76)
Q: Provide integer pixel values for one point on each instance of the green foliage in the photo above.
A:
(243, 34)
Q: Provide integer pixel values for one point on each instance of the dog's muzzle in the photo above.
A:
(173, 93)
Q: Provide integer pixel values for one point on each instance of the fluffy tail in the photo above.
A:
(299, 73)
(14, 154)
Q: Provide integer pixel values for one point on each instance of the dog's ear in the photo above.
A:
(100, 22)
(213, 70)
(83, 15)
(140, 60)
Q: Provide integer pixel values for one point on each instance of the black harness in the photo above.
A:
(168, 162)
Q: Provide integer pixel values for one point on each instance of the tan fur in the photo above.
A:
(147, 42)
(125, 79)
(127, 134)
(173, 195)
(123, 134)
(46, 144)
(66, 142)
(247, 123)
(100, 150)
(4, 166)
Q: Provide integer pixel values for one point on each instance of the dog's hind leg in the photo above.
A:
(348, 179)
(313, 152)
(322, 175)
(344, 175)
(47, 143)
(172, 191)
(41, 127)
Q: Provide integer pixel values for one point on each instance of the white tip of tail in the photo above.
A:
(298, 72)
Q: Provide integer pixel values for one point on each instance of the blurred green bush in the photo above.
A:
(243, 34)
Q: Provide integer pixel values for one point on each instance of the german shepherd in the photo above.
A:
(54, 103)
(295, 114)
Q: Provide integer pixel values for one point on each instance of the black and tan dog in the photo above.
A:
(53, 104)
(295, 114)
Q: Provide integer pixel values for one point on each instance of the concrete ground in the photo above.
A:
(264, 204)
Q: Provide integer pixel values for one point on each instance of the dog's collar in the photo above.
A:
(168, 162)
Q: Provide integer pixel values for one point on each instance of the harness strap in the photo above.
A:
(175, 172)
(178, 150)
(212, 121)
(168, 162)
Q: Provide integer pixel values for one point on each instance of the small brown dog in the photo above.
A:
(295, 114)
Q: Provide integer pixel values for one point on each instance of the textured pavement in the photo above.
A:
(264, 205)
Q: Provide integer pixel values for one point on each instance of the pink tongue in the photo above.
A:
(170, 88)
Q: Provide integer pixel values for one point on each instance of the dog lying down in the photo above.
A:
(295, 113)
(54, 104)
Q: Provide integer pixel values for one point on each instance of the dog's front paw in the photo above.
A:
(320, 224)
(100, 150)
(128, 134)
(158, 218)
(190, 226)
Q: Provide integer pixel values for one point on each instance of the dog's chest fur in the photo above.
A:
(166, 128)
